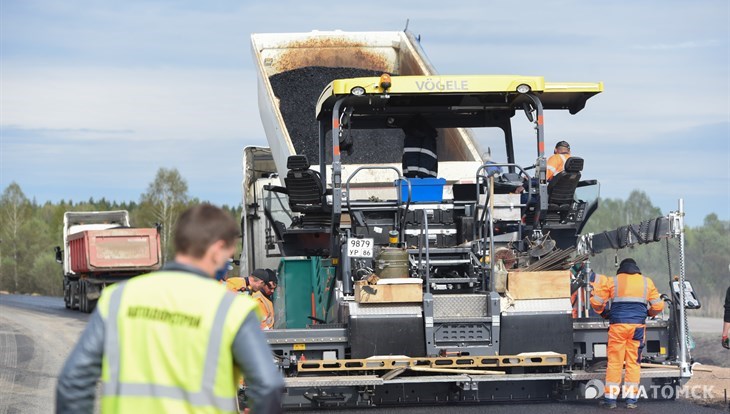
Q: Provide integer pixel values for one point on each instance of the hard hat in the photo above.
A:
(562, 144)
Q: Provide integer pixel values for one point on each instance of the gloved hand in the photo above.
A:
(725, 342)
(606, 314)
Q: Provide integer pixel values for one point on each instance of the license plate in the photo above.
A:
(361, 248)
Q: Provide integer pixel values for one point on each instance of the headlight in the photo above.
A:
(523, 88)
(357, 91)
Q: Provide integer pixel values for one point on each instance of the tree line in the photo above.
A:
(30, 230)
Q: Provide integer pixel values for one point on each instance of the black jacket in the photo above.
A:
(76, 387)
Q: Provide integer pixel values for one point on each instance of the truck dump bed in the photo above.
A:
(315, 54)
(115, 250)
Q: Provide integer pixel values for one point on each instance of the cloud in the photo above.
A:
(124, 88)
(155, 103)
(690, 44)
(13, 132)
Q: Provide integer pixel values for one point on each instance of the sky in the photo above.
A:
(95, 96)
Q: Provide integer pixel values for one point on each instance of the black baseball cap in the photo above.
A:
(562, 144)
(271, 277)
(260, 274)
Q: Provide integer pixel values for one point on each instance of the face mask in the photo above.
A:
(220, 274)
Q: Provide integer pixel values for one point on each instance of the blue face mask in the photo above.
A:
(221, 273)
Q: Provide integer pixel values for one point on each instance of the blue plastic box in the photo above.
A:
(423, 189)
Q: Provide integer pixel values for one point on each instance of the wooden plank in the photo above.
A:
(694, 368)
(388, 293)
(393, 373)
(539, 285)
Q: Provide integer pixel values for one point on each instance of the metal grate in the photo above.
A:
(462, 332)
(459, 306)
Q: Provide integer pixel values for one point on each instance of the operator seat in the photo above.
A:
(561, 189)
(309, 233)
(304, 187)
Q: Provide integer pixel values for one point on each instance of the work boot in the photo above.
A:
(631, 403)
(608, 403)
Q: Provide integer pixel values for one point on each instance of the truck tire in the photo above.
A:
(66, 292)
(83, 300)
(86, 305)
(74, 294)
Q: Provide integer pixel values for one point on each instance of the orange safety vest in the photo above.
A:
(237, 284)
(631, 297)
(266, 308)
(555, 164)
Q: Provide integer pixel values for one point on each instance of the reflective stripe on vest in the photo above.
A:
(563, 157)
(204, 397)
(421, 170)
(636, 299)
(420, 150)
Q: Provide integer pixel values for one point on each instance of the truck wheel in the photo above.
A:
(74, 292)
(83, 300)
(90, 303)
(66, 293)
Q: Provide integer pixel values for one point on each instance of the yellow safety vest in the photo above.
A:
(168, 339)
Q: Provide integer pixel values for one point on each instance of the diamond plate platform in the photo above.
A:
(459, 306)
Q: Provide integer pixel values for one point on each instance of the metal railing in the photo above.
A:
(486, 216)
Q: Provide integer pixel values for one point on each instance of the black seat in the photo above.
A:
(304, 187)
(561, 189)
(309, 233)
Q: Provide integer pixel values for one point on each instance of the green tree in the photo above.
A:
(15, 210)
(164, 200)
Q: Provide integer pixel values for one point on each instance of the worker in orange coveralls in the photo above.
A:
(264, 298)
(625, 299)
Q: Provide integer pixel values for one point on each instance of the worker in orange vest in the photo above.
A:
(264, 298)
(249, 284)
(556, 162)
(625, 299)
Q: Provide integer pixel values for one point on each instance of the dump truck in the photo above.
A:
(471, 287)
(100, 248)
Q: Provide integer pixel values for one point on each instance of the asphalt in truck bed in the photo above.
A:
(298, 91)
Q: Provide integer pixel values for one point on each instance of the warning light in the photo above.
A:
(385, 82)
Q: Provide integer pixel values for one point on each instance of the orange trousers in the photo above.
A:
(625, 343)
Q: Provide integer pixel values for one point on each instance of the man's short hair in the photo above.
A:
(562, 144)
(201, 226)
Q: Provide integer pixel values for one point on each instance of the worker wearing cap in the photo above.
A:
(174, 340)
(264, 299)
(249, 284)
(625, 299)
(556, 162)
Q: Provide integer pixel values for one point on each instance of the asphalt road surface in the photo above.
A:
(699, 324)
(37, 333)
